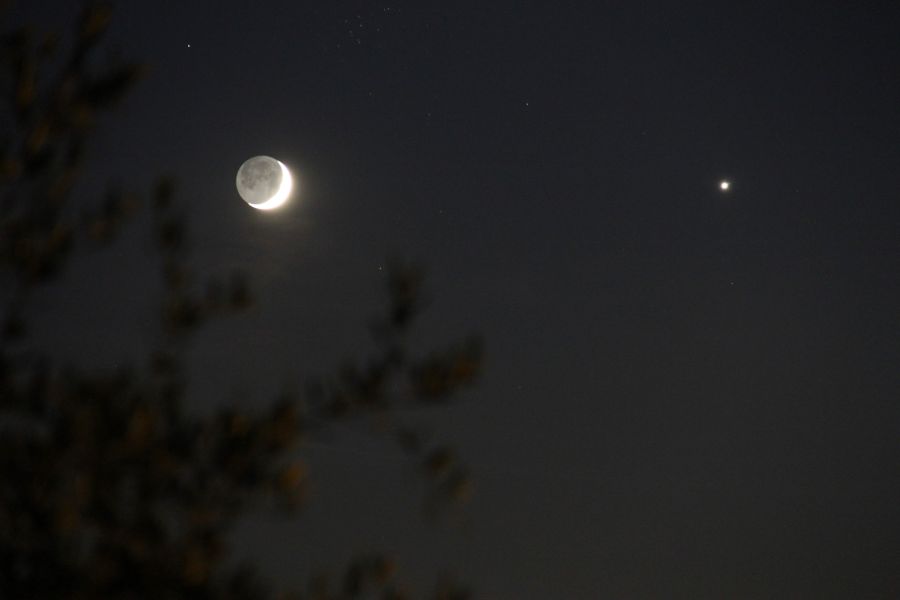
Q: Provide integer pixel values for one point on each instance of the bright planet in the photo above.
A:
(264, 183)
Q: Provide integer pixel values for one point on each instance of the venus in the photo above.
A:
(264, 183)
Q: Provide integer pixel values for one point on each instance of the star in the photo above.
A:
(724, 185)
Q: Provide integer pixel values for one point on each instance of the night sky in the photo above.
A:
(688, 392)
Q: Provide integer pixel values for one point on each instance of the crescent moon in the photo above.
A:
(281, 196)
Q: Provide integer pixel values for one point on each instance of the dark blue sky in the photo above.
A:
(688, 393)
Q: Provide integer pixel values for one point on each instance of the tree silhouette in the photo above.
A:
(109, 487)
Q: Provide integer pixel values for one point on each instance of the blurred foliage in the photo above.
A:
(109, 488)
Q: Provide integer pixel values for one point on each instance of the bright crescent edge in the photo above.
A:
(281, 196)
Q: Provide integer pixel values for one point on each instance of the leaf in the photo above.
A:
(108, 90)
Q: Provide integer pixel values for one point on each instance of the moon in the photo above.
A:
(264, 183)
(724, 185)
